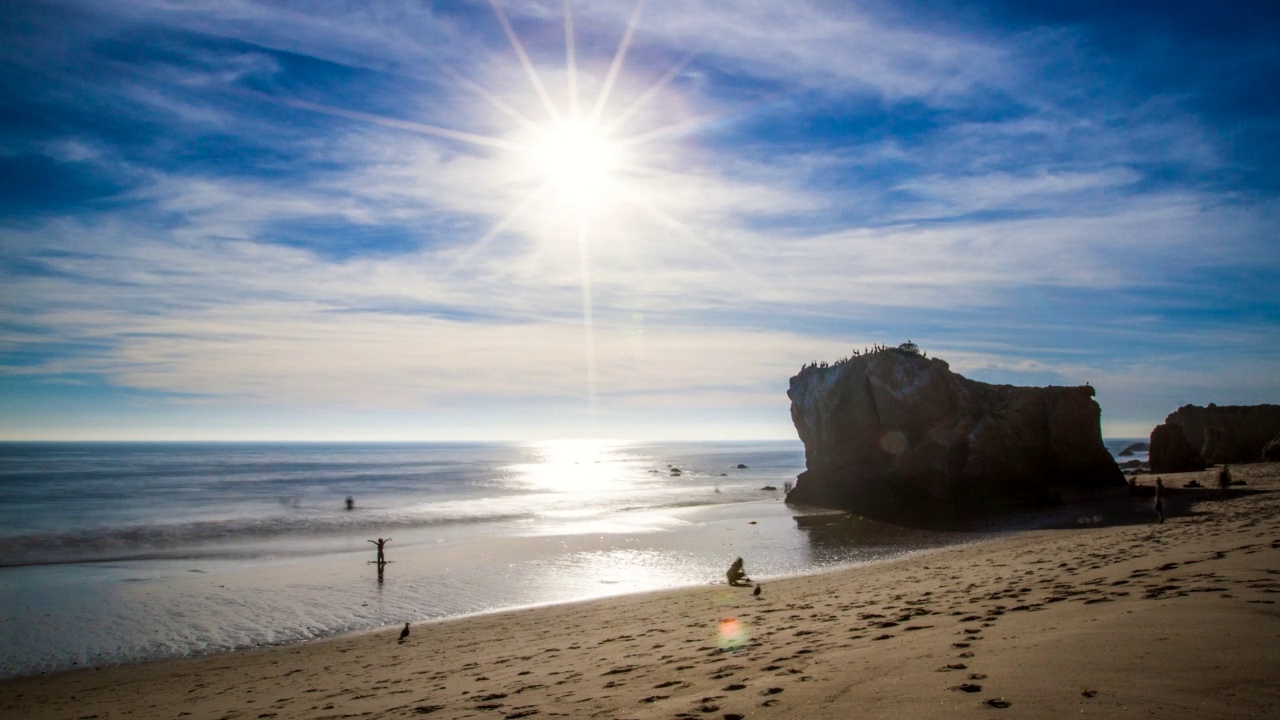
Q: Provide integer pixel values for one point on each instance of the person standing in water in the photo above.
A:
(381, 546)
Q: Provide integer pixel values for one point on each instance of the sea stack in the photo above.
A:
(895, 435)
(1194, 437)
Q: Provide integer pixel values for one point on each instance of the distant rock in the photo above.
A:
(1194, 437)
(892, 434)
(768, 488)
(741, 466)
(1137, 447)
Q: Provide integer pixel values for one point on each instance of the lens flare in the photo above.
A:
(732, 634)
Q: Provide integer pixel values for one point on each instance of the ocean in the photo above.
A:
(121, 552)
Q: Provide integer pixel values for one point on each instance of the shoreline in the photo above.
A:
(1179, 618)
(122, 613)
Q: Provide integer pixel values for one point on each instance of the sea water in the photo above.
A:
(120, 552)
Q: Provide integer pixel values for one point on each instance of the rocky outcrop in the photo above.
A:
(895, 435)
(1132, 448)
(1171, 451)
(1194, 437)
(1271, 451)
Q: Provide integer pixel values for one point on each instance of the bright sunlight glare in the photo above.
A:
(578, 160)
(583, 467)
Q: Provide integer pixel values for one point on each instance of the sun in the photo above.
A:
(580, 154)
(579, 161)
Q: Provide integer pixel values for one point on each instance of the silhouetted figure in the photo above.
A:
(737, 576)
(404, 634)
(1159, 503)
(1224, 478)
(382, 558)
(351, 503)
(756, 592)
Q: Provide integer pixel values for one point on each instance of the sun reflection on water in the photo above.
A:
(579, 467)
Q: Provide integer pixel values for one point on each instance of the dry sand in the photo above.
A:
(1163, 621)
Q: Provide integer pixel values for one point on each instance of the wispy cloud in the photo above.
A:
(266, 206)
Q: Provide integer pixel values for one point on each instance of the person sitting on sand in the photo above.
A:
(737, 576)
(1159, 504)
(381, 544)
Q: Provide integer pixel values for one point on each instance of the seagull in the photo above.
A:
(756, 592)
(404, 633)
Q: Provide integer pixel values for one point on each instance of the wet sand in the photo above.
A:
(1172, 620)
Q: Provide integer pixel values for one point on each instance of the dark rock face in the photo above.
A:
(895, 435)
(1271, 451)
(1194, 437)
(1172, 452)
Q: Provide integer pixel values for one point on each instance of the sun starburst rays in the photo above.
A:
(530, 71)
(574, 155)
(615, 67)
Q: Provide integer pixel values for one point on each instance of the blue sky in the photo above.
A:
(345, 220)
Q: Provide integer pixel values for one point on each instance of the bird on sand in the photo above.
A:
(404, 634)
(756, 592)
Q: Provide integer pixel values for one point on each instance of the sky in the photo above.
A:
(537, 219)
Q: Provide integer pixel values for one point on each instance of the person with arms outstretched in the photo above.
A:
(382, 558)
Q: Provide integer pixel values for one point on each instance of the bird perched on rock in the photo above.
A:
(404, 634)
(756, 592)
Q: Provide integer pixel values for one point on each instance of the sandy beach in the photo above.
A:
(1154, 620)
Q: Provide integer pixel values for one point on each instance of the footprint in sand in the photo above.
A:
(666, 684)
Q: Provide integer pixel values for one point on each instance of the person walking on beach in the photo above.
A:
(1224, 479)
(382, 559)
(1159, 504)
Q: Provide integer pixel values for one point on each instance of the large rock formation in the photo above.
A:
(895, 435)
(1194, 437)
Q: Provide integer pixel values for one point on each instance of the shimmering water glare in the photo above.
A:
(120, 552)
